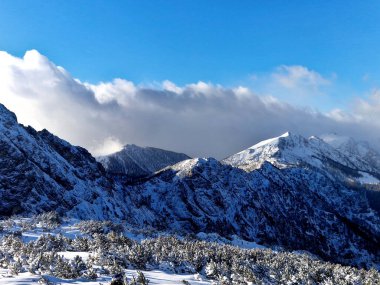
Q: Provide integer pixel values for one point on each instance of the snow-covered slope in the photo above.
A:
(136, 161)
(348, 162)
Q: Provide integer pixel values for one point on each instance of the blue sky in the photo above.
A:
(258, 68)
(186, 41)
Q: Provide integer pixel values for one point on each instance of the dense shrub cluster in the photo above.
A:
(111, 253)
(46, 221)
(99, 227)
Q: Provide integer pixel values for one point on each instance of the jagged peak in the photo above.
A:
(288, 136)
(183, 168)
(133, 146)
(193, 162)
(6, 115)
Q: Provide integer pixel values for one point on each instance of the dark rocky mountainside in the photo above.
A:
(299, 206)
(40, 172)
(138, 162)
(293, 207)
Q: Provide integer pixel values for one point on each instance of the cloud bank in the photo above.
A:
(200, 119)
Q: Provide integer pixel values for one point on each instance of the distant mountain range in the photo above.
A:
(290, 191)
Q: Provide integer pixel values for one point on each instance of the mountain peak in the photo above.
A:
(349, 160)
(297, 208)
(132, 146)
(281, 151)
(136, 161)
(286, 134)
(7, 116)
(275, 140)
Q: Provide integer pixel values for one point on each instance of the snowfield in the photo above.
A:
(155, 277)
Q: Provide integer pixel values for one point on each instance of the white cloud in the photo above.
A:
(296, 76)
(341, 116)
(109, 145)
(295, 84)
(201, 119)
(170, 86)
(369, 109)
(119, 90)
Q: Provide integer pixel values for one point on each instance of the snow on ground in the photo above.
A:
(368, 178)
(70, 230)
(238, 242)
(27, 278)
(235, 241)
(156, 278)
(23, 278)
(162, 278)
(72, 254)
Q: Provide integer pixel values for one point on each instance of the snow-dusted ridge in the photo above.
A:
(340, 157)
(289, 191)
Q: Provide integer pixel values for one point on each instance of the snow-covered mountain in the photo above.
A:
(281, 192)
(349, 161)
(293, 207)
(136, 161)
(41, 172)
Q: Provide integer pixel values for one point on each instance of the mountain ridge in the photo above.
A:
(264, 205)
(139, 162)
(290, 150)
(300, 207)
